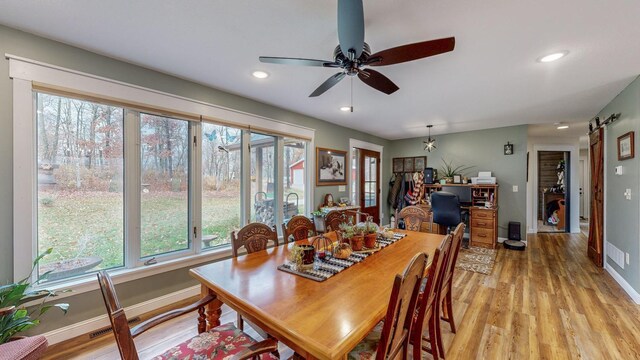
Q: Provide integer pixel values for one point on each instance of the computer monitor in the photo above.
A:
(463, 192)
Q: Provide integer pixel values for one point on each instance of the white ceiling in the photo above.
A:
(490, 80)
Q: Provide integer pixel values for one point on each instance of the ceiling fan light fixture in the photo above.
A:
(259, 74)
(553, 57)
(345, 108)
(562, 127)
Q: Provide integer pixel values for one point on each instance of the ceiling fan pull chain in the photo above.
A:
(351, 93)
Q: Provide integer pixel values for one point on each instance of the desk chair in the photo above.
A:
(446, 209)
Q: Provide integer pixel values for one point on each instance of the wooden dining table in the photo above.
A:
(318, 320)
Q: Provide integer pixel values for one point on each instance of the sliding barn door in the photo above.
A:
(596, 236)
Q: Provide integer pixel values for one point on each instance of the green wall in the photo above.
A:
(87, 305)
(621, 222)
(484, 151)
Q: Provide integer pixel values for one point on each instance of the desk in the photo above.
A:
(318, 320)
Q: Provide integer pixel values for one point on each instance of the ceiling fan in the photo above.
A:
(354, 57)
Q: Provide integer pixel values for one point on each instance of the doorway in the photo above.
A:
(369, 183)
(553, 191)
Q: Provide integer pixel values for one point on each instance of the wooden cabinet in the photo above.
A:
(484, 226)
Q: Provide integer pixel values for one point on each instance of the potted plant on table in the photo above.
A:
(371, 235)
(357, 241)
(14, 317)
(346, 233)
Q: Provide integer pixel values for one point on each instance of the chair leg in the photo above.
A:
(437, 334)
(449, 306)
(240, 322)
(432, 341)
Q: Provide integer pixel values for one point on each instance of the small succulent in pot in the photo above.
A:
(371, 236)
(357, 242)
(346, 232)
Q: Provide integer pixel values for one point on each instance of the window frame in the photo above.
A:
(30, 76)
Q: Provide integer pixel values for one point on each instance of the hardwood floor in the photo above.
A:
(548, 302)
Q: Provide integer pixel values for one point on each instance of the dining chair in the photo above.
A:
(390, 337)
(254, 237)
(447, 281)
(333, 220)
(222, 342)
(299, 227)
(413, 217)
(427, 307)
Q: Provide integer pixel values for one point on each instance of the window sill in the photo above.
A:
(88, 282)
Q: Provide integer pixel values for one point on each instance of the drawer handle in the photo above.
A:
(482, 235)
(482, 215)
(482, 223)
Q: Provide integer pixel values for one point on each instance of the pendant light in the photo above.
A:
(430, 143)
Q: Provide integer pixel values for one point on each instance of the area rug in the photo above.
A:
(476, 259)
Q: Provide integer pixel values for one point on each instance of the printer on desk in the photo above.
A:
(483, 178)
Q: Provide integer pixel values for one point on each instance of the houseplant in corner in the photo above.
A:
(447, 171)
(15, 317)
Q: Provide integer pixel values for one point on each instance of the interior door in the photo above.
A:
(582, 169)
(594, 249)
(369, 170)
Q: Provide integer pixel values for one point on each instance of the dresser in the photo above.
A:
(483, 226)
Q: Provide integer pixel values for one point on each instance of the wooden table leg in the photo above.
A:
(210, 318)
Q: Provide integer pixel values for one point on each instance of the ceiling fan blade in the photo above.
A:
(378, 81)
(328, 84)
(351, 27)
(297, 61)
(411, 52)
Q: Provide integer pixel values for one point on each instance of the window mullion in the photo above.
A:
(279, 183)
(245, 184)
(132, 186)
(195, 186)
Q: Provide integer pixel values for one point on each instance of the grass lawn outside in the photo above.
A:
(81, 224)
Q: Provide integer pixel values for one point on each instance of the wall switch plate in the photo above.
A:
(627, 258)
(627, 194)
(342, 188)
(515, 188)
(618, 170)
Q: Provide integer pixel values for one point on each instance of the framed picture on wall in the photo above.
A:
(408, 164)
(419, 163)
(626, 148)
(331, 167)
(398, 165)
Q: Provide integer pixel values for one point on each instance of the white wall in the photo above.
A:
(535, 144)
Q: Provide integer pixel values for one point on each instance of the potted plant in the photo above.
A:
(346, 232)
(295, 256)
(357, 241)
(371, 235)
(15, 317)
(447, 171)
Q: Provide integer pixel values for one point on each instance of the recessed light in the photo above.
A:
(260, 74)
(553, 57)
(345, 108)
(562, 127)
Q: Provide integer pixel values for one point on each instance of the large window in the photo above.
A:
(123, 177)
(221, 175)
(80, 185)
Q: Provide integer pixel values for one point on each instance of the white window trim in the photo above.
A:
(24, 72)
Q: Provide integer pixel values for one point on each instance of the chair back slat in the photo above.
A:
(299, 228)
(402, 305)
(117, 317)
(426, 304)
(413, 217)
(254, 237)
(458, 233)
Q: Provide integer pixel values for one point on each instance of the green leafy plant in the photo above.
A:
(347, 230)
(317, 213)
(372, 228)
(360, 229)
(16, 318)
(448, 170)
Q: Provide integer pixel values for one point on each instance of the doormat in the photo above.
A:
(477, 259)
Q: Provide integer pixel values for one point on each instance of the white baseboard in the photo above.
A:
(99, 322)
(623, 283)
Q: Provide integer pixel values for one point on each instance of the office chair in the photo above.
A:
(446, 209)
